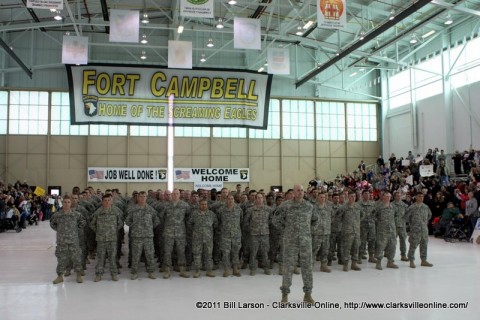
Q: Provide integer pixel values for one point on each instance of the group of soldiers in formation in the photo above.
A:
(185, 231)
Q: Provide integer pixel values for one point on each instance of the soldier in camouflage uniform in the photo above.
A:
(175, 214)
(257, 222)
(350, 213)
(367, 228)
(142, 219)
(67, 223)
(276, 242)
(106, 222)
(297, 219)
(245, 234)
(417, 216)
(230, 220)
(335, 231)
(400, 223)
(202, 222)
(215, 207)
(384, 216)
(321, 235)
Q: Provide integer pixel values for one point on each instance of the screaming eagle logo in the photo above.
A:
(90, 105)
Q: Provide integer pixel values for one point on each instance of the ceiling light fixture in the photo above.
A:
(145, 18)
(308, 24)
(428, 34)
(180, 28)
(53, 10)
(337, 53)
(392, 15)
(449, 20)
(144, 39)
(232, 2)
(143, 56)
(203, 58)
(353, 74)
(362, 35)
(299, 31)
(261, 69)
(219, 24)
(210, 43)
(58, 15)
(413, 39)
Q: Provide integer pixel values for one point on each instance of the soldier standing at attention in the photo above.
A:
(142, 219)
(336, 231)
(384, 216)
(367, 228)
(400, 208)
(297, 219)
(67, 223)
(231, 217)
(417, 216)
(350, 213)
(202, 221)
(321, 235)
(106, 223)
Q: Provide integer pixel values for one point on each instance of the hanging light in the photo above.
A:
(413, 39)
(299, 31)
(232, 2)
(219, 24)
(203, 58)
(144, 39)
(210, 43)
(143, 56)
(261, 69)
(58, 15)
(145, 18)
(428, 34)
(53, 10)
(362, 35)
(180, 29)
(449, 20)
(392, 15)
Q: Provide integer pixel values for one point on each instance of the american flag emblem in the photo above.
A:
(181, 174)
(96, 174)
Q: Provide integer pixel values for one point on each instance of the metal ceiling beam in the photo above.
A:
(12, 54)
(370, 36)
(105, 14)
(33, 14)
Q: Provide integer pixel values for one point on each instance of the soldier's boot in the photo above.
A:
(391, 265)
(329, 263)
(82, 273)
(425, 263)
(79, 277)
(252, 272)
(371, 258)
(197, 273)
(210, 274)
(226, 272)
(68, 273)
(324, 268)
(151, 275)
(280, 269)
(345, 265)
(58, 279)
(355, 267)
(161, 269)
(412, 264)
(308, 298)
(114, 277)
(244, 265)
(267, 271)
(359, 260)
(184, 273)
(97, 278)
(236, 271)
(166, 274)
(379, 264)
(134, 276)
(284, 298)
(296, 270)
(404, 258)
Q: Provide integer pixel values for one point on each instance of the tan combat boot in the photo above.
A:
(236, 271)
(134, 276)
(210, 274)
(345, 265)
(392, 265)
(197, 273)
(252, 272)
(371, 258)
(226, 272)
(280, 269)
(267, 271)
(151, 275)
(68, 273)
(79, 277)
(284, 298)
(324, 268)
(359, 260)
(379, 264)
(114, 277)
(412, 264)
(425, 263)
(97, 278)
(308, 298)
(184, 273)
(355, 267)
(166, 274)
(404, 258)
(58, 279)
(296, 270)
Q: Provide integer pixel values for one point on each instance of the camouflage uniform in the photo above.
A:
(276, 243)
(158, 239)
(417, 216)
(350, 231)
(297, 219)
(106, 223)
(89, 234)
(67, 226)
(202, 225)
(367, 228)
(336, 234)
(257, 221)
(174, 231)
(400, 223)
(230, 221)
(245, 235)
(384, 216)
(321, 235)
(142, 221)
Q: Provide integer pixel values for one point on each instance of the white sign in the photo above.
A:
(179, 54)
(332, 14)
(278, 60)
(124, 25)
(409, 180)
(247, 33)
(45, 4)
(405, 163)
(106, 174)
(196, 8)
(75, 50)
(426, 171)
(211, 175)
(208, 185)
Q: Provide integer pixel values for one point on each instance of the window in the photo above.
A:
(330, 121)
(298, 119)
(196, 132)
(60, 117)
(148, 131)
(273, 129)
(362, 121)
(108, 130)
(3, 111)
(28, 112)
(229, 132)
(399, 89)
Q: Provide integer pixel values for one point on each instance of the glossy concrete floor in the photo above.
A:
(27, 268)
